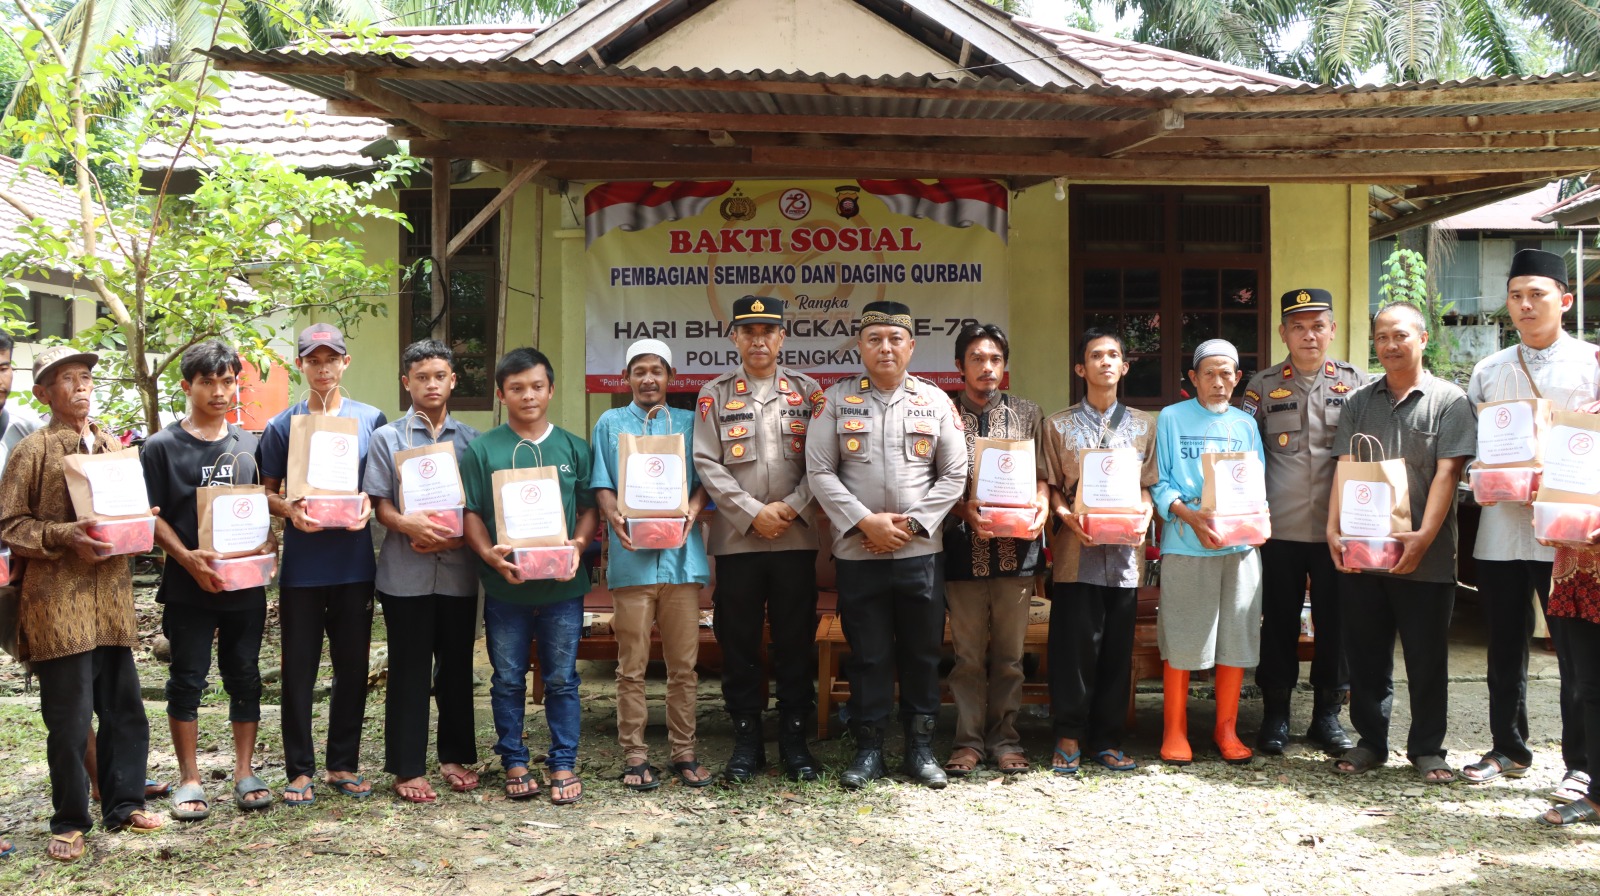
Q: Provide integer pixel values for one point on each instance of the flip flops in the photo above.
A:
(1494, 764)
(1426, 765)
(71, 838)
(561, 784)
(647, 775)
(1109, 759)
(1067, 771)
(309, 790)
(132, 828)
(155, 790)
(190, 793)
(524, 779)
(682, 770)
(347, 786)
(1361, 761)
(10, 848)
(251, 785)
(1575, 812)
(458, 782)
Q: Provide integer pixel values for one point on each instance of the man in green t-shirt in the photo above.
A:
(548, 612)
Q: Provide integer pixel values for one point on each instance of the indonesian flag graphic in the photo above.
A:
(953, 202)
(640, 205)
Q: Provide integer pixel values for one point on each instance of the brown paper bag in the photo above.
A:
(1374, 495)
(1232, 483)
(1512, 428)
(430, 477)
(528, 511)
(107, 486)
(1004, 472)
(652, 480)
(324, 456)
(1108, 481)
(233, 519)
(1571, 459)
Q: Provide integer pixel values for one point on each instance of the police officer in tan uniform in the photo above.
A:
(750, 451)
(886, 462)
(1297, 405)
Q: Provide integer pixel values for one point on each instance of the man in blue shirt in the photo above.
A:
(1210, 594)
(652, 587)
(325, 585)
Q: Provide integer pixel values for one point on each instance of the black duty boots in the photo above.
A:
(920, 764)
(1325, 730)
(867, 766)
(1274, 736)
(749, 751)
(793, 751)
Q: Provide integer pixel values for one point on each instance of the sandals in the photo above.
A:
(190, 793)
(71, 838)
(1070, 765)
(525, 779)
(1426, 765)
(420, 794)
(10, 848)
(1574, 786)
(645, 772)
(1494, 764)
(248, 786)
(309, 790)
(1012, 763)
(1576, 812)
(1361, 760)
(1114, 760)
(132, 828)
(459, 783)
(962, 762)
(347, 786)
(558, 785)
(682, 770)
(155, 790)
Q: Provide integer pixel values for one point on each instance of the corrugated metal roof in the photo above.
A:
(1575, 208)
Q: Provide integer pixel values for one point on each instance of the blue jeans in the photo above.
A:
(555, 630)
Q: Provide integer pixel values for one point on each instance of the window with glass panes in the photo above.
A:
(472, 307)
(1168, 268)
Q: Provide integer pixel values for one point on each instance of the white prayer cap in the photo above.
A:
(649, 347)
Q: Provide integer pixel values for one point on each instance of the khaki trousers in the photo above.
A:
(988, 622)
(675, 610)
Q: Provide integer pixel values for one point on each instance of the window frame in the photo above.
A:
(481, 256)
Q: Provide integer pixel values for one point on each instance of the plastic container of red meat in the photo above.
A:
(538, 564)
(1237, 530)
(1008, 522)
(1371, 553)
(657, 534)
(334, 511)
(5, 566)
(1511, 484)
(454, 517)
(1565, 523)
(245, 572)
(1114, 528)
(132, 536)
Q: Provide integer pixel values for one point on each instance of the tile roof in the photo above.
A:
(1135, 66)
(54, 203)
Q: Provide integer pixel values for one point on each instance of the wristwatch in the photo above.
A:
(915, 527)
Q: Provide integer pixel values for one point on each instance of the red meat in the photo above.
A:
(535, 564)
(334, 511)
(245, 572)
(1566, 523)
(1008, 522)
(657, 535)
(1246, 529)
(1372, 553)
(1491, 486)
(125, 536)
(451, 518)
(1114, 528)
(5, 566)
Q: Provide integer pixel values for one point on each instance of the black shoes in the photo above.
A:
(867, 766)
(1325, 730)
(749, 751)
(920, 764)
(793, 750)
(1274, 736)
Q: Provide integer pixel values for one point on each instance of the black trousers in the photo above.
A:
(1583, 641)
(189, 630)
(892, 613)
(1376, 608)
(1506, 589)
(1284, 568)
(73, 690)
(779, 587)
(430, 649)
(344, 614)
(1091, 656)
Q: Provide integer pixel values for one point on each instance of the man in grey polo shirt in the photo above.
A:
(1429, 423)
(428, 586)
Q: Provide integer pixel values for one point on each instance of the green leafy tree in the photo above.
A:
(172, 270)
(1405, 279)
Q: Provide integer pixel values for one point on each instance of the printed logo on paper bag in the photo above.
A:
(117, 487)
(1508, 435)
(1364, 509)
(1580, 444)
(654, 482)
(239, 522)
(330, 464)
(430, 482)
(242, 508)
(1111, 482)
(1567, 464)
(531, 493)
(1364, 494)
(531, 510)
(1007, 463)
(428, 469)
(1240, 486)
(1502, 418)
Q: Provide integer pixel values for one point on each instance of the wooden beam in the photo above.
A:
(441, 260)
(1389, 126)
(1162, 123)
(613, 152)
(1184, 143)
(741, 122)
(522, 176)
(394, 105)
(1361, 99)
(1441, 210)
(479, 135)
(1479, 184)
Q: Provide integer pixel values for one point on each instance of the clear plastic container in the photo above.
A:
(334, 511)
(1371, 553)
(5, 566)
(1241, 529)
(1114, 528)
(245, 572)
(1008, 522)
(657, 534)
(538, 564)
(1565, 523)
(454, 517)
(1511, 484)
(133, 536)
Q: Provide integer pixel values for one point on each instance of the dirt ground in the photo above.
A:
(1280, 826)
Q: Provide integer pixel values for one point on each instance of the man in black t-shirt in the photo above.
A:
(200, 450)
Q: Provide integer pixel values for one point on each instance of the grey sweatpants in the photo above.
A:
(1210, 610)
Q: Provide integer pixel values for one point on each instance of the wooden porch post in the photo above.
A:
(441, 236)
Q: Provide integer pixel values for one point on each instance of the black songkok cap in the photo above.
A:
(891, 313)
(1538, 263)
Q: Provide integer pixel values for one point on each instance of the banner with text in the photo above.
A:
(668, 260)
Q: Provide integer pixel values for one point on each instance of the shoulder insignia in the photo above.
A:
(855, 399)
(740, 387)
(783, 384)
(737, 450)
(816, 396)
(922, 447)
(1330, 369)
(865, 385)
(1279, 393)
(956, 418)
(1288, 371)
(820, 403)
(1250, 406)
(1252, 395)
(733, 405)
(705, 406)
(911, 384)
(738, 432)
(853, 425)
(1340, 388)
